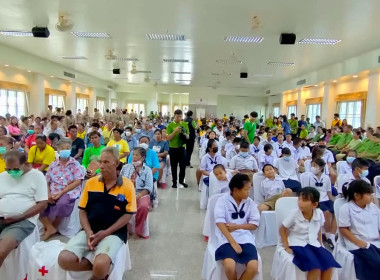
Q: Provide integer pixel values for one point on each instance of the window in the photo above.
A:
(276, 111)
(113, 104)
(313, 110)
(352, 112)
(82, 103)
(12, 102)
(292, 110)
(100, 105)
(164, 109)
(56, 101)
(185, 109)
(137, 108)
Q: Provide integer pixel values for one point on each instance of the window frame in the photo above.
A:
(16, 111)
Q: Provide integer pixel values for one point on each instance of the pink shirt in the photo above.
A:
(13, 130)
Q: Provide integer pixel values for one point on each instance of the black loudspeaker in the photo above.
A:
(116, 71)
(287, 39)
(243, 75)
(40, 32)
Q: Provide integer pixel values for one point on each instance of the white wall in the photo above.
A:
(241, 106)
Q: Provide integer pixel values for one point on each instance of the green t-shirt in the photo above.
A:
(317, 137)
(90, 154)
(175, 142)
(344, 139)
(303, 134)
(353, 144)
(334, 139)
(269, 123)
(251, 130)
(293, 126)
(364, 145)
(374, 150)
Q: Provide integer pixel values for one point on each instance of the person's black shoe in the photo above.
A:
(184, 185)
(174, 186)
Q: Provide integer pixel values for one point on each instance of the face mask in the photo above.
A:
(243, 154)
(237, 147)
(64, 153)
(150, 124)
(3, 150)
(137, 163)
(350, 159)
(315, 170)
(15, 174)
(215, 150)
(138, 130)
(364, 174)
(128, 133)
(144, 146)
(287, 159)
(31, 131)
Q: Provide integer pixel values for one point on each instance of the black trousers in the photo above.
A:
(178, 157)
(189, 150)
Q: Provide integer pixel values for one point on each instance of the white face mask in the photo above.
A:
(315, 170)
(144, 146)
(128, 133)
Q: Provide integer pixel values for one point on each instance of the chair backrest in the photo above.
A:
(340, 180)
(376, 189)
(340, 167)
(284, 206)
(211, 207)
(337, 204)
(257, 179)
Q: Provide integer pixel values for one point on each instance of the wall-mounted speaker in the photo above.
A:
(243, 75)
(287, 39)
(116, 71)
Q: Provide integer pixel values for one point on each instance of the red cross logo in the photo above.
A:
(43, 271)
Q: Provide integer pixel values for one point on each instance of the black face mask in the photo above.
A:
(215, 150)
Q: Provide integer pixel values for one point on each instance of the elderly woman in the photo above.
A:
(161, 148)
(41, 155)
(64, 177)
(141, 176)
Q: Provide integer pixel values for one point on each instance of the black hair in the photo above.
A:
(144, 137)
(284, 118)
(68, 113)
(286, 151)
(265, 165)
(158, 130)
(267, 147)
(296, 141)
(4, 129)
(256, 137)
(72, 127)
(209, 145)
(43, 137)
(128, 128)
(95, 124)
(336, 115)
(310, 193)
(189, 113)
(238, 181)
(236, 140)
(118, 130)
(228, 134)
(92, 133)
(178, 112)
(254, 114)
(15, 154)
(244, 145)
(52, 137)
(359, 162)
(141, 151)
(316, 152)
(356, 186)
(320, 162)
(219, 166)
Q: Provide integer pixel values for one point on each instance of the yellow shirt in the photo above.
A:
(81, 135)
(107, 135)
(2, 164)
(38, 157)
(336, 123)
(121, 145)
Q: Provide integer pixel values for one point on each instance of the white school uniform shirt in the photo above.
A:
(287, 169)
(254, 151)
(287, 145)
(363, 223)
(345, 179)
(271, 188)
(278, 148)
(221, 186)
(228, 146)
(239, 162)
(328, 157)
(265, 141)
(342, 167)
(204, 146)
(302, 231)
(308, 179)
(208, 163)
(307, 165)
(225, 207)
(305, 152)
(230, 154)
(265, 159)
(296, 153)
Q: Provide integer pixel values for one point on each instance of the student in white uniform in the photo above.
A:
(272, 188)
(228, 143)
(244, 162)
(268, 138)
(322, 183)
(359, 172)
(287, 168)
(211, 158)
(306, 153)
(327, 156)
(256, 147)
(234, 151)
(267, 156)
(301, 235)
(212, 135)
(288, 141)
(359, 224)
(296, 150)
(236, 216)
(345, 166)
(316, 153)
(279, 145)
(223, 179)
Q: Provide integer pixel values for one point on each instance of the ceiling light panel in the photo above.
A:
(145, 72)
(73, 57)
(281, 63)
(166, 37)
(240, 39)
(181, 73)
(227, 61)
(125, 59)
(183, 80)
(90, 34)
(174, 60)
(16, 33)
(316, 41)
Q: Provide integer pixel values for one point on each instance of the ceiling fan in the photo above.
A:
(110, 55)
(64, 23)
(135, 71)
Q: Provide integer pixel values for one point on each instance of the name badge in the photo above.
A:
(120, 197)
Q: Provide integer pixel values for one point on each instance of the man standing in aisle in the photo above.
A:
(250, 127)
(337, 121)
(178, 135)
(190, 143)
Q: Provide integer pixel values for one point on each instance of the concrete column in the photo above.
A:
(301, 106)
(372, 118)
(71, 98)
(283, 105)
(171, 105)
(328, 104)
(37, 102)
(92, 102)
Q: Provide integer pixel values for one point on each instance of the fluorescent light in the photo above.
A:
(29, 71)
(6, 65)
(334, 81)
(51, 76)
(281, 63)
(355, 76)
(74, 57)
(125, 59)
(90, 34)
(315, 85)
(183, 80)
(181, 60)
(166, 37)
(181, 73)
(317, 41)
(226, 61)
(240, 39)
(16, 33)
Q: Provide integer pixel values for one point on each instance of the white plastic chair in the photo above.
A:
(155, 201)
(340, 167)
(15, 265)
(70, 226)
(204, 193)
(283, 267)
(376, 181)
(213, 270)
(340, 253)
(256, 194)
(132, 223)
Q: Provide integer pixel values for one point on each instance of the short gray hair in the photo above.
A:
(111, 150)
(63, 141)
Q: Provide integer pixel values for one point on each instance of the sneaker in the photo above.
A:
(184, 185)
(330, 243)
(174, 186)
(163, 185)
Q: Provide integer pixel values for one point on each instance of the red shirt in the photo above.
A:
(31, 141)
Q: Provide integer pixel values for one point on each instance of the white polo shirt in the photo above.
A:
(228, 146)
(19, 195)
(307, 165)
(305, 152)
(278, 148)
(302, 231)
(342, 167)
(225, 206)
(296, 153)
(208, 163)
(254, 151)
(239, 162)
(363, 223)
(328, 157)
(346, 179)
(221, 186)
(308, 179)
(287, 145)
(265, 159)
(287, 169)
(271, 188)
(230, 154)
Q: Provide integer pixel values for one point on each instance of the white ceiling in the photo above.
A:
(205, 24)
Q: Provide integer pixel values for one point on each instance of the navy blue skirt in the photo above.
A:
(310, 257)
(327, 206)
(367, 263)
(226, 251)
(294, 185)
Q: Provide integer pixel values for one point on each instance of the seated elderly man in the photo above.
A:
(23, 195)
(141, 176)
(106, 206)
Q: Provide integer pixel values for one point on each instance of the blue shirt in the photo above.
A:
(159, 147)
(286, 127)
(151, 161)
(132, 143)
(302, 123)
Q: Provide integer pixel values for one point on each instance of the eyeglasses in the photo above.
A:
(238, 214)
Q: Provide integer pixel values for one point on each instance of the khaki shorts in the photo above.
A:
(109, 246)
(271, 202)
(18, 231)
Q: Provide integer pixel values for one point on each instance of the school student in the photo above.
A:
(345, 166)
(223, 179)
(306, 153)
(233, 151)
(288, 168)
(279, 145)
(211, 158)
(321, 182)
(256, 147)
(243, 161)
(236, 216)
(301, 234)
(288, 141)
(272, 188)
(359, 172)
(359, 224)
(267, 156)
(296, 150)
